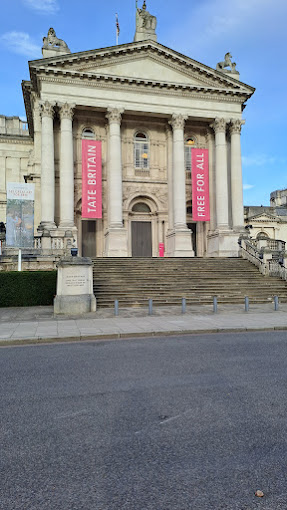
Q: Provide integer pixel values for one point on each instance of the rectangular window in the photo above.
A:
(141, 155)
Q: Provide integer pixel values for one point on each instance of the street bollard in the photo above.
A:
(215, 304)
(183, 305)
(116, 308)
(276, 303)
(246, 304)
(150, 306)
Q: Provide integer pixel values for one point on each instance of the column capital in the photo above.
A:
(66, 110)
(219, 125)
(47, 109)
(114, 115)
(235, 126)
(178, 121)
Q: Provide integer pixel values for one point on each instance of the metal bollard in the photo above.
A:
(215, 304)
(276, 303)
(116, 308)
(150, 306)
(183, 305)
(246, 304)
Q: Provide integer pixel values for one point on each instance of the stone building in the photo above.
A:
(268, 221)
(148, 105)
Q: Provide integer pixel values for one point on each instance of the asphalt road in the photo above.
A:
(179, 423)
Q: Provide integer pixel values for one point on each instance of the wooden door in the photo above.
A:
(141, 239)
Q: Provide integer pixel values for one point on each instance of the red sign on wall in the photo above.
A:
(91, 179)
(200, 185)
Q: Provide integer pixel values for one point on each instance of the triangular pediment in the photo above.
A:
(144, 68)
(265, 217)
(146, 61)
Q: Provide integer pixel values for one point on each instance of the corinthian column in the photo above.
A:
(236, 175)
(221, 181)
(179, 241)
(116, 237)
(114, 117)
(47, 167)
(66, 112)
(179, 201)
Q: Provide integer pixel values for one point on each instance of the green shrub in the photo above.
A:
(27, 288)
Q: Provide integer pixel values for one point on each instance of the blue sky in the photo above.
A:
(254, 31)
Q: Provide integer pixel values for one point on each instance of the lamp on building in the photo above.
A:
(144, 155)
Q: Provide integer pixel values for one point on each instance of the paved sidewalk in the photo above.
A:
(38, 324)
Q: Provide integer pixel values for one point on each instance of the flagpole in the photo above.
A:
(117, 29)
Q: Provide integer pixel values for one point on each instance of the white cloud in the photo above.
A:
(43, 6)
(21, 43)
(217, 24)
(248, 186)
(262, 160)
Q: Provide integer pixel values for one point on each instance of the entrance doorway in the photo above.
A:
(89, 238)
(141, 239)
(192, 227)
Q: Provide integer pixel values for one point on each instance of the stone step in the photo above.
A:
(166, 281)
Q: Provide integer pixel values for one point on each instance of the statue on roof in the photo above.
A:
(145, 24)
(52, 44)
(227, 63)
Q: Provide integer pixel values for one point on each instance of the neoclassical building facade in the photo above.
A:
(148, 105)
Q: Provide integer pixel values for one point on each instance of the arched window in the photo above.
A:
(141, 151)
(262, 235)
(141, 207)
(88, 134)
(189, 143)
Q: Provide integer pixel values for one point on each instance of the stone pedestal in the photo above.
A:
(179, 243)
(75, 286)
(116, 242)
(222, 243)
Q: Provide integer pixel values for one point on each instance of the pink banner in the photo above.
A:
(161, 249)
(200, 185)
(91, 179)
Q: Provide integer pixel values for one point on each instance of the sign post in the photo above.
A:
(20, 215)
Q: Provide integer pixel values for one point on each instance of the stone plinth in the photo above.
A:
(74, 286)
(222, 243)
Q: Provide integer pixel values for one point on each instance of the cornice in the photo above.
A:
(18, 140)
(146, 47)
(27, 90)
(150, 86)
(265, 218)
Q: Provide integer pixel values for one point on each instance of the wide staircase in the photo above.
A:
(132, 281)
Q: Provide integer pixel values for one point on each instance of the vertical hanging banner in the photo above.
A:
(200, 184)
(20, 215)
(91, 179)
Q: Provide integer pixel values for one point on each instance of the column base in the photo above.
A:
(179, 243)
(47, 226)
(222, 243)
(116, 242)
